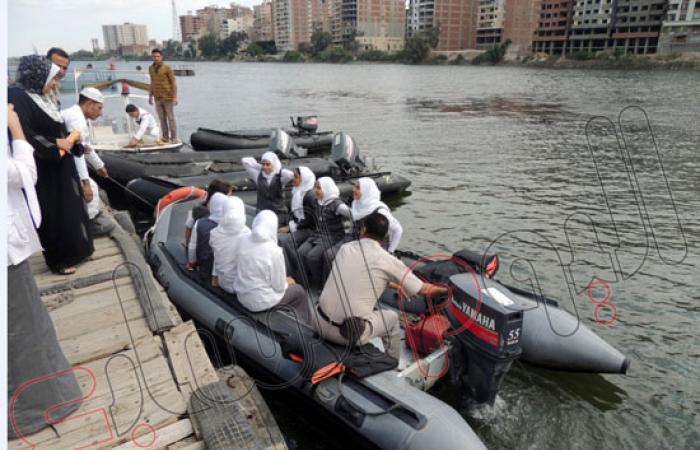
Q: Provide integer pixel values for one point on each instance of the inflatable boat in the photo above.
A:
(550, 336)
(304, 133)
(345, 160)
(144, 193)
(388, 409)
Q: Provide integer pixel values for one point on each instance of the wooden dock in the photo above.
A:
(141, 368)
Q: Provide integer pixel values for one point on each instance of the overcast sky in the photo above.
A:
(72, 23)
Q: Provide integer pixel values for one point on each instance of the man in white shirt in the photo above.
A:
(33, 350)
(89, 107)
(147, 125)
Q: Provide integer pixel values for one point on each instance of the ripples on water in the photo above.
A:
(501, 150)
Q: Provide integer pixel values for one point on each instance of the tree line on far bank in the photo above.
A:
(417, 50)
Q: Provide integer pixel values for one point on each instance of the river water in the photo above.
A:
(500, 160)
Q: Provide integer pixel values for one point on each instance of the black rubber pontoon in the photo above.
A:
(211, 140)
(386, 410)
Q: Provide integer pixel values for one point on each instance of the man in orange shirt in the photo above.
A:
(164, 91)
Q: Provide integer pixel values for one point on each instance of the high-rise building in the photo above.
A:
(291, 23)
(95, 45)
(128, 38)
(191, 26)
(262, 22)
(631, 25)
(419, 17)
(501, 20)
(680, 31)
(552, 32)
(373, 24)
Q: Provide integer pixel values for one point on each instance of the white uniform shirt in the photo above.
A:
(23, 214)
(147, 125)
(75, 120)
(226, 259)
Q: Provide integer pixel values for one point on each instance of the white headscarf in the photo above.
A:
(330, 190)
(52, 73)
(272, 158)
(265, 227)
(233, 221)
(308, 179)
(217, 206)
(369, 200)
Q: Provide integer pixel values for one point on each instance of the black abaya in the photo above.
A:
(65, 230)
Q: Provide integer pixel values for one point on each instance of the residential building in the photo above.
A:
(290, 23)
(637, 25)
(191, 26)
(373, 24)
(128, 38)
(552, 32)
(262, 22)
(680, 31)
(489, 28)
(419, 17)
(457, 21)
(501, 20)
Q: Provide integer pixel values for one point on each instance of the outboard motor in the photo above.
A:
(306, 124)
(488, 326)
(283, 144)
(346, 155)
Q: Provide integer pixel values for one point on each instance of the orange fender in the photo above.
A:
(178, 195)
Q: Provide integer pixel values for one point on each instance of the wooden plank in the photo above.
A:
(102, 342)
(188, 358)
(85, 322)
(164, 436)
(93, 428)
(188, 444)
(103, 247)
(92, 298)
(109, 263)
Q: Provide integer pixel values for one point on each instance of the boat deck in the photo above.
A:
(136, 361)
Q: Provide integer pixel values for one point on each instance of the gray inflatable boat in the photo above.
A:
(388, 410)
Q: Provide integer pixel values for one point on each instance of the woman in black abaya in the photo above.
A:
(64, 231)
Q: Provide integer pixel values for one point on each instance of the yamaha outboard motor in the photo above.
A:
(283, 144)
(306, 124)
(487, 327)
(346, 155)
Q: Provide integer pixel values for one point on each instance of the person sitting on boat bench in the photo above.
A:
(362, 270)
(199, 252)
(271, 178)
(225, 241)
(330, 212)
(202, 209)
(302, 220)
(261, 281)
(147, 125)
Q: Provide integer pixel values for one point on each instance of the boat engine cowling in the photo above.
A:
(487, 327)
(283, 144)
(308, 124)
(346, 154)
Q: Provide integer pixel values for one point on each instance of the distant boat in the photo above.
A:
(184, 70)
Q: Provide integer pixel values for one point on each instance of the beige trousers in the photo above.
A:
(381, 323)
(167, 119)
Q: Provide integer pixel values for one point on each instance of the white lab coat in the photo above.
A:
(225, 242)
(24, 215)
(261, 277)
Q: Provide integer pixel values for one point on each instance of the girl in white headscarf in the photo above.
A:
(366, 200)
(261, 281)
(65, 230)
(303, 219)
(225, 241)
(200, 254)
(270, 178)
(330, 230)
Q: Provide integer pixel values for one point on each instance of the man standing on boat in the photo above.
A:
(164, 92)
